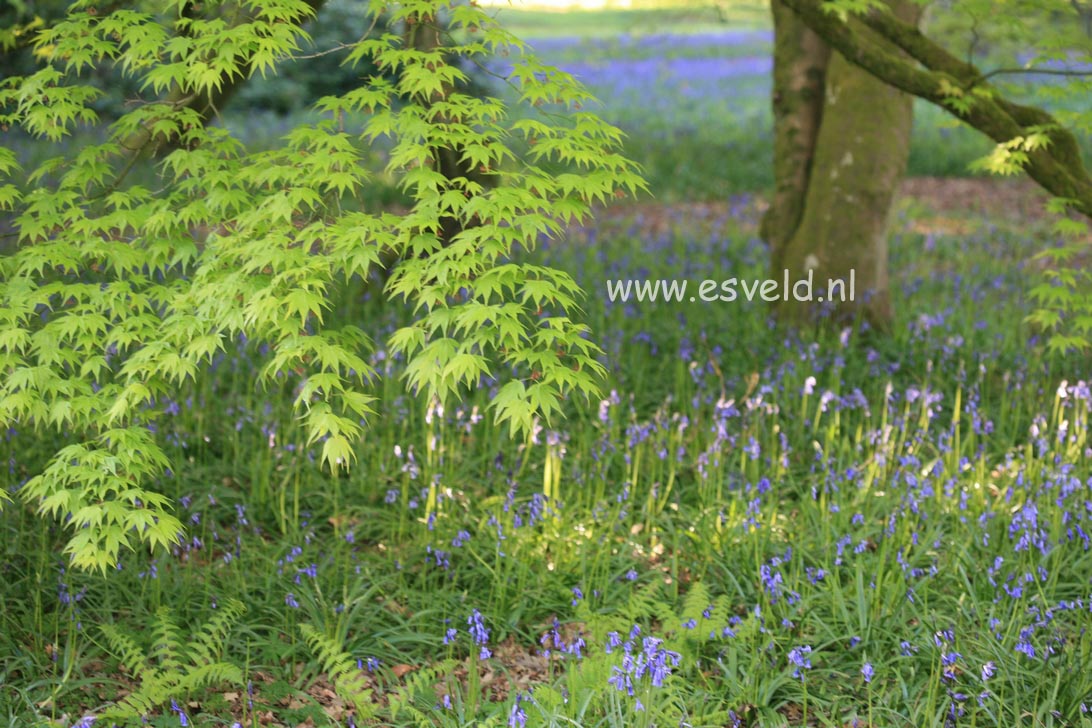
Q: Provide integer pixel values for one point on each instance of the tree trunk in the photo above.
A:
(425, 34)
(800, 67)
(860, 151)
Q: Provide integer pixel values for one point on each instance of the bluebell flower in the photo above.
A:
(576, 648)
(182, 719)
(798, 656)
(577, 595)
(478, 631)
(988, 671)
(621, 680)
(517, 716)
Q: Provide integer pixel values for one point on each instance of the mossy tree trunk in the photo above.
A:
(800, 67)
(839, 155)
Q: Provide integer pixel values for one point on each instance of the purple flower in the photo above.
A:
(182, 719)
(577, 595)
(988, 671)
(798, 656)
(867, 672)
(621, 680)
(517, 717)
(576, 648)
(479, 633)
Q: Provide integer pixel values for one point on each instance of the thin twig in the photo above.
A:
(1037, 71)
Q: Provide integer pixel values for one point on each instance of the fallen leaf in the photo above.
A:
(401, 670)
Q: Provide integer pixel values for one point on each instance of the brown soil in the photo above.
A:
(1012, 199)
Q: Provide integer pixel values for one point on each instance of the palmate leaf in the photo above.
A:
(110, 301)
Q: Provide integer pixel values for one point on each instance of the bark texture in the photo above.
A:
(800, 66)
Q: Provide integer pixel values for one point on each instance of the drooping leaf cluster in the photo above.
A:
(117, 294)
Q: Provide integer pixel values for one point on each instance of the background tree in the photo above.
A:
(897, 53)
(836, 221)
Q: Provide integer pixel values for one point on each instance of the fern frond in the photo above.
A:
(127, 651)
(171, 668)
(696, 601)
(207, 675)
(348, 680)
(133, 707)
(167, 647)
(643, 603)
(209, 643)
(418, 692)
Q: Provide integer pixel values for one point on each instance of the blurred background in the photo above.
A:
(689, 83)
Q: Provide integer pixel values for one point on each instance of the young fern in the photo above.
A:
(172, 668)
(168, 651)
(208, 645)
(417, 696)
(342, 671)
(109, 302)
